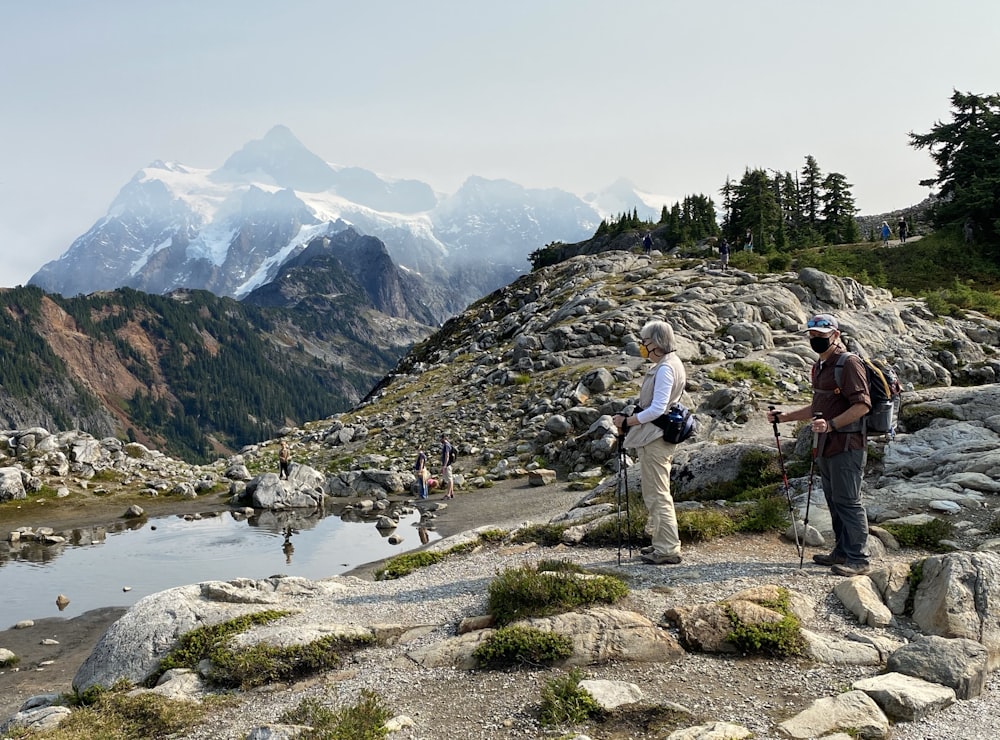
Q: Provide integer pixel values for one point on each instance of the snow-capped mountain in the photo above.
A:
(229, 230)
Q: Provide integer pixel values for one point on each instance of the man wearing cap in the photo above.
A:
(836, 416)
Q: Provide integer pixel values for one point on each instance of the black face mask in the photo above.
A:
(819, 344)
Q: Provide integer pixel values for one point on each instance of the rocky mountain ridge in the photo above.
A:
(155, 369)
(230, 229)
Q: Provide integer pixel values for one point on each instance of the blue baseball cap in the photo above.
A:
(824, 323)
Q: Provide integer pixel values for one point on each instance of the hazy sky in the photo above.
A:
(675, 96)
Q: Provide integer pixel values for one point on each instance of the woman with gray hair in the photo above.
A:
(663, 385)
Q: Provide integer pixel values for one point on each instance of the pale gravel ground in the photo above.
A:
(453, 705)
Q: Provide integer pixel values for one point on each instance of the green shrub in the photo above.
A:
(757, 371)
(922, 536)
(10, 662)
(517, 645)
(751, 262)
(114, 715)
(559, 566)
(766, 514)
(778, 639)
(701, 525)
(403, 565)
(757, 469)
(258, 664)
(548, 535)
(520, 593)
(493, 536)
(364, 720)
(199, 644)
(630, 526)
(721, 375)
(565, 703)
(915, 417)
(262, 664)
(779, 262)
(915, 576)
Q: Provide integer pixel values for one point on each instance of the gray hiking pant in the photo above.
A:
(841, 477)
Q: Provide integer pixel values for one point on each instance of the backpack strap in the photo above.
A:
(838, 374)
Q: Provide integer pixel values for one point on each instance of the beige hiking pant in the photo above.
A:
(654, 467)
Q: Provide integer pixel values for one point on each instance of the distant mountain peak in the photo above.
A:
(281, 158)
(280, 133)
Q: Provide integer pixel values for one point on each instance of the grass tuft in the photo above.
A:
(517, 645)
(520, 593)
(364, 720)
(565, 703)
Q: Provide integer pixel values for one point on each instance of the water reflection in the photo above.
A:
(287, 547)
(92, 564)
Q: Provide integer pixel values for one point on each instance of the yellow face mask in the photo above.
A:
(643, 351)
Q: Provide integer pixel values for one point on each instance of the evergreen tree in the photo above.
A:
(839, 226)
(754, 209)
(967, 154)
(809, 192)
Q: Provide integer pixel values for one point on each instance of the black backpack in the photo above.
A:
(884, 389)
(452, 455)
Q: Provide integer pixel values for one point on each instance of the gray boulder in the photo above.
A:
(958, 663)
(904, 697)
(134, 645)
(959, 596)
(11, 485)
(853, 710)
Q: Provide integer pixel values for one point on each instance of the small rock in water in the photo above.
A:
(126, 588)
(62, 601)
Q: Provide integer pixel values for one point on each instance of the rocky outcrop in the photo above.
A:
(959, 596)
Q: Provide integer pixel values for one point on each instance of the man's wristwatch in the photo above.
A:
(831, 425)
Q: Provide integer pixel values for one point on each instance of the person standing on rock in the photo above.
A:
(724, 253)
(284, 461)
(447, 478)
(835, 414)
(421, 472)
(663, 385)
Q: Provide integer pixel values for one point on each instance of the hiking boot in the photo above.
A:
(821, 559)
(654, 559)
(648, 550)
(851, 569)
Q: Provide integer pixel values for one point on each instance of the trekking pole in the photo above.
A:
(620, 487)
(812, 471)
(799, 546)
(628, 513)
